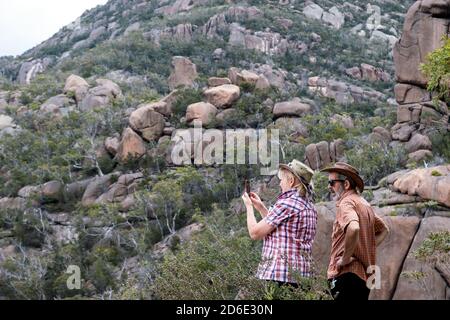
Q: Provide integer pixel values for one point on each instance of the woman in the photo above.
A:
(288, 228)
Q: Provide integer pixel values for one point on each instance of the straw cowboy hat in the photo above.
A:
(300, 170)
(348, 171)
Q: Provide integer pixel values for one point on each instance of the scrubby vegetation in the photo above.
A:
(119, 249)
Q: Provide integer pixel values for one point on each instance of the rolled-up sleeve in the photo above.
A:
(278, 214)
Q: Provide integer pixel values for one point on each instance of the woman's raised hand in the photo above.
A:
(247, 200)
(256, 200)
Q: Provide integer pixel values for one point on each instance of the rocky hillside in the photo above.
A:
(89, 121)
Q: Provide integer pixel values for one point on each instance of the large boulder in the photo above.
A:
(148, 122)
(75, 190)
(418, 142)
(96, 188)
(334, 17)
(215, 81)
(131, 146)
(112, 145)
(392, 252)
(177, 6)
(184, 73)
(100, 96)
(246, 77)
(222, 96)
(295, 107)
(319, 155)
(380, 134)
(263, 83)
(170, 101)
(202, 111)
(108, 88)
(420, 155)
(48, 192)
(407, 93)
(275, 77)
(240, 13)
(212, 27)
(321, 249)
(386, 197)
(56, 102)
(52, 191)
(429, 183)
(77, 86)
(419, 280)
(373, 74)
(125, 186)
(402, 131)
(30, 69)
(313, 11)
(422, 33)
(342, 92)
(324, 153)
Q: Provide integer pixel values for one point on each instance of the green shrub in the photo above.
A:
(435, 248)
(374, 160)
(30, 228)
(320, 182)
(21, 277)
(440, 142)
(437, 70)
(220, 263)
(101, 275)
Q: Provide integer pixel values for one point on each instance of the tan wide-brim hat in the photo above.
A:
(300, 170)
(348, 171)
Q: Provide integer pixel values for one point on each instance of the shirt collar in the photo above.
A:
(344, 195)
(287, 194)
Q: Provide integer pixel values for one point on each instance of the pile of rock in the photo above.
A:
(369, 73)
(342, 92)
(373, 27)
(183, 74)
(417, 115)
(30, 69)
(322, 154)
(332, 17)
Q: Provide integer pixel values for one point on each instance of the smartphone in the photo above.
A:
(247, 186)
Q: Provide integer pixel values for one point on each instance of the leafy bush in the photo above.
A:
(437, 70)
(441, 143)
(56, 150)
(220, 263)
(374, 160)
(21, 277)
(40, 89)
(435, 248)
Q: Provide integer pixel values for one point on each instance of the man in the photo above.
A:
(357, 231)
(288, 228)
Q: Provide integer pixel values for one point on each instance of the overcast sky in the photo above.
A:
(26, 23)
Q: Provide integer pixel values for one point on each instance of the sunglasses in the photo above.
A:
(331, 182)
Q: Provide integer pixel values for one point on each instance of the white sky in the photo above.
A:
(26, 23)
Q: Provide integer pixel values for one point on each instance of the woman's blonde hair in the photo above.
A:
(301, 189)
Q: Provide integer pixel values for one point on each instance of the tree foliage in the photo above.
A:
(437, 70)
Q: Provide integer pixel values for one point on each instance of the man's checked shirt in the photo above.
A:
(288, 247)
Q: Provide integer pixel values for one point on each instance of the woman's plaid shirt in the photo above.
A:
(288, 247)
